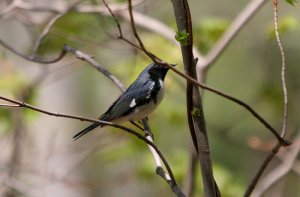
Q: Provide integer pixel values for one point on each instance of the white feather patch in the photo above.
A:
(150, 90)
(132, 104)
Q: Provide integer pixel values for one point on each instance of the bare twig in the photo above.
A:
(262, 168)
(8, 105)
(44, 33)
(285, 113)
(137, 37)
(95, 64)
(283, 67)
(159, 168)
(120, 35)
(280, 171)
(34, 59)
(156, 26)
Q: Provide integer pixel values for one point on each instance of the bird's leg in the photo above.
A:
(138, 126)
(147, 128)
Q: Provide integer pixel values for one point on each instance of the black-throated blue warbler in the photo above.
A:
(138, 101)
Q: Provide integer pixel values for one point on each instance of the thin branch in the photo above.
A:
(85, 57)
(133, 26)
(156, 26)
(280, 171)
(44, 33)
(137, 37)
(283, 67)
(284, 124)
(8, 105)
(262, 168)
(34, 59)
(120, 35)
(159, 169)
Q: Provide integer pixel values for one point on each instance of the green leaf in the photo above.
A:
(292, 2)
(182, 37)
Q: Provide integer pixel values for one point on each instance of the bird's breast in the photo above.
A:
(160, 92)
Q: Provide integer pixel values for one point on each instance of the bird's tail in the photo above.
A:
(86, 130)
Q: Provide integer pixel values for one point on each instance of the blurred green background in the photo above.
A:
(109, 162)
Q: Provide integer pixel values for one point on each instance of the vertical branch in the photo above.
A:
(262, 168)
(276, 148)
(283, 66)
(195, 113)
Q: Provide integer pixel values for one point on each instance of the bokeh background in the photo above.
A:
(38, 155)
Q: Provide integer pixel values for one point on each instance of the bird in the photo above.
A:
(138, 101)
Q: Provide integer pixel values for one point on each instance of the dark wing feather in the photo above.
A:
(86, 130)
(121, 107)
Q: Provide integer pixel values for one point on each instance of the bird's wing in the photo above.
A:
(135, 96)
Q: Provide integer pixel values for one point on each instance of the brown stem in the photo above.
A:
(196, 122)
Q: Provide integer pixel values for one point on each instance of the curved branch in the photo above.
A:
(44, 33)
(283, 67)
(35, 59)
(280, 171)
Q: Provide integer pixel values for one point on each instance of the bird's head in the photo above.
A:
(156, 71)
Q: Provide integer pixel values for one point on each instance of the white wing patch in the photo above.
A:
(132, 104)
(150, 90)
